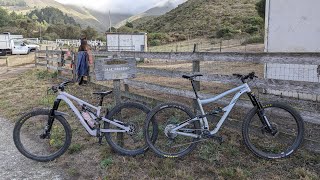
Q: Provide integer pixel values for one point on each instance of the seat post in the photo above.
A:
(194, 88)
(101, 100)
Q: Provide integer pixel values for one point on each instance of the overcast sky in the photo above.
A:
(124, 6)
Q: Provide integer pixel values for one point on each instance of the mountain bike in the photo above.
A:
(270, 130)
(44, 135)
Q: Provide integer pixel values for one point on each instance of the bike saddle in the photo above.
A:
(102, 94)
(192, 76)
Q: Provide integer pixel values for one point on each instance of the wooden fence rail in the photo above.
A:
(55, 60)
(280, 58)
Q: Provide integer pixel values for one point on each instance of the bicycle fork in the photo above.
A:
(48, 127)
(262, 116)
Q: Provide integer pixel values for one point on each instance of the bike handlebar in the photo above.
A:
(60, 86)
(245, 77)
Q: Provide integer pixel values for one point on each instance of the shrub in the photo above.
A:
(261, 8)
(225, 32)
(129, 24)
(155, 42)
(252, 29)
(254, 21)
(253, 40)
(181, 37)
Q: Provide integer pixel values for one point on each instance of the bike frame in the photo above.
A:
(63, 96)
(204, 121)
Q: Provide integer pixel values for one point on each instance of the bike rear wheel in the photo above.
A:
(131, 115)
(27, 136)
(166, 117)
(284, 141)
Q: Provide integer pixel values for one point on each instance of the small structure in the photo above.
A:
(127, 42)
(293, 26)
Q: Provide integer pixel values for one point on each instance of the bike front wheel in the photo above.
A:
(131, 115)
(169, 144)
(28, 131)
(287, 135)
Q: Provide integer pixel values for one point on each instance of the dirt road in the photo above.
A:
(13, 165)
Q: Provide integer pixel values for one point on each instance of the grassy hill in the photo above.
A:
(148, 15)
(213, 18)
(83, 16)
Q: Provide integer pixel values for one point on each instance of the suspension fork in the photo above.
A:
(51, 115)
(261, 113)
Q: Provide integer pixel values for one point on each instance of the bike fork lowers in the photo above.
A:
(261, 113)
(51, 115)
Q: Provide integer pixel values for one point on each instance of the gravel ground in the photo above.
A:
(14, 165)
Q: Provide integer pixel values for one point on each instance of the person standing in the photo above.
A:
(84, 58)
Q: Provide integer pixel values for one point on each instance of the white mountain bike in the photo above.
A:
(44, 135)
(270, 130)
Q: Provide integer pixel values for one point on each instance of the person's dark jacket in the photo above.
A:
(82, 65)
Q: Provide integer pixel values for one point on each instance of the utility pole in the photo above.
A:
(110, 21)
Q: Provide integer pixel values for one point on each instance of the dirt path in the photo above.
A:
(14, 165)
(10, 72)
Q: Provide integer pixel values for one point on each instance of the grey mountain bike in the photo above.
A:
(44, 135)
(270, 130)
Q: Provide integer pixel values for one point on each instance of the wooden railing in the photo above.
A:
(56, 60)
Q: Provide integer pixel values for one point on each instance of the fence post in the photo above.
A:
(196, 69)
(47, 56)
(7, 63)
(59, 63)
(74, 68)
(35, 57)
(117, 97)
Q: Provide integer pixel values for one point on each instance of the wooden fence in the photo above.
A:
(58, 61)
(195, 59)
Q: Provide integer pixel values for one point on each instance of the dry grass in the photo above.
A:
(208, 45)
(87, 160)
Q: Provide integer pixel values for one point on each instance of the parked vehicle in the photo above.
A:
(12, 44)
(32, 47)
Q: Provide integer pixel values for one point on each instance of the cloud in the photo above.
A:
(120, 6)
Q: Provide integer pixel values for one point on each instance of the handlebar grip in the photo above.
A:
(185, 76)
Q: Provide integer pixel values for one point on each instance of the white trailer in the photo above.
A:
(12, 44)
(127, 42)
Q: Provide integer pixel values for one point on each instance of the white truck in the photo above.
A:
(12, 44)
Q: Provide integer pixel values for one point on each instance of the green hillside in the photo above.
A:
(83, 16)
(212, 18)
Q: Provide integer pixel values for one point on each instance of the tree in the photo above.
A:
(4, 17)
(129, 24)
(261, 8)
(90, 33)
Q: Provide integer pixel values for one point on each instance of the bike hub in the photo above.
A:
(168, 131)
(132, 129)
